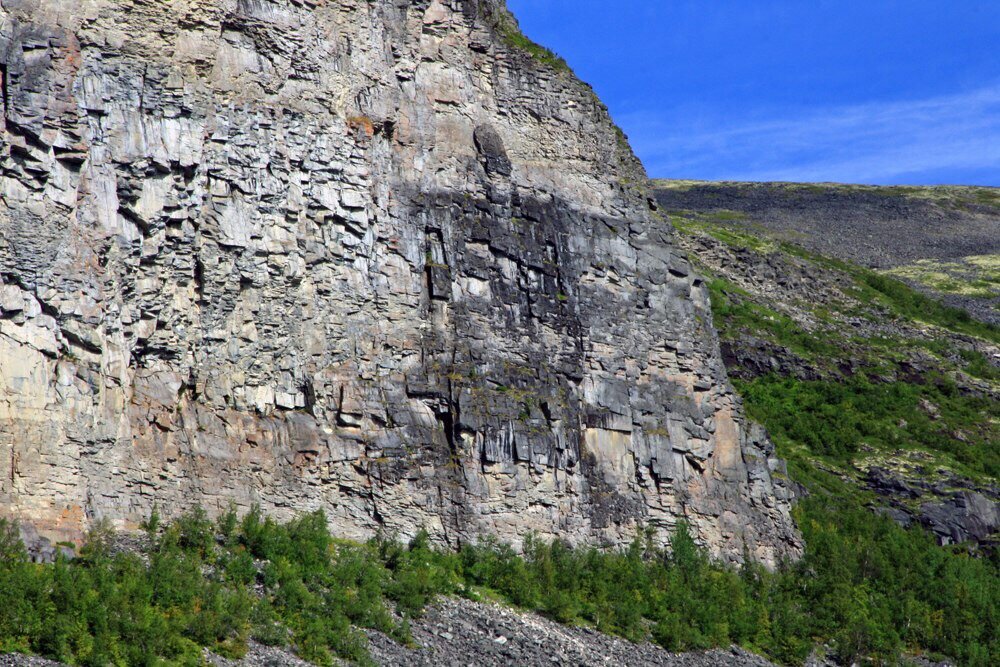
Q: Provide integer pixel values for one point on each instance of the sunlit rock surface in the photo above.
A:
(361, 256)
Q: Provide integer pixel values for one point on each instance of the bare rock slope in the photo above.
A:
(364, 256)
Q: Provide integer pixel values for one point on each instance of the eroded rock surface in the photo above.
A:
(358, 256)
(953, 508)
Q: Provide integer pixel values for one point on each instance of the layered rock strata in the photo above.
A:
(363, 256)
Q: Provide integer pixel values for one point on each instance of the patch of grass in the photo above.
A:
(977, 365)
(900, 298)
(977, 276)
(987, 196)
(871, 286)
(734, 311)
(714, 224)
(909, 303)
(835, 417)
(511, 34)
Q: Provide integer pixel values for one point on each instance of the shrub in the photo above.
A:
(864, 585)
(834, 418)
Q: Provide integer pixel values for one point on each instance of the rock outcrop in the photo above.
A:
(364, 256)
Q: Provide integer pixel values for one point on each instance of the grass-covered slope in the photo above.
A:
(844, 364)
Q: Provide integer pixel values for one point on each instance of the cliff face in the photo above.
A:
(352, 255)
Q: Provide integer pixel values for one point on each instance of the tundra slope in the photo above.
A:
(857, 376)
(369, 257)
(944, 240)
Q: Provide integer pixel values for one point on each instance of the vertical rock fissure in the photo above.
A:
(4, 94)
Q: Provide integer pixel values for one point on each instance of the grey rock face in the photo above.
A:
(953, 508)
(967, 516)
(358, 256)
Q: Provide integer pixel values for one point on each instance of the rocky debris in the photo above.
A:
(18, 660)
(40, 549)
(824, 656)
(458, 632)
(259, 655)
(365, 257)
(923, 661)
(878, 227)
(869, 225)
(754, 357)
(954, 508)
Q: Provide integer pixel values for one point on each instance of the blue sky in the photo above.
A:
(863, 91)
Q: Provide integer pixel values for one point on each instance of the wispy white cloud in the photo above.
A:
(872, 143)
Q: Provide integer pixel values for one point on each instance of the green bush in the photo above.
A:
(835, 418)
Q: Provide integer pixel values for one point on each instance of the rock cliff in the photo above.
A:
(369, 256)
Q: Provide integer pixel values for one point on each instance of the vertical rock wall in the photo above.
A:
(357, 255)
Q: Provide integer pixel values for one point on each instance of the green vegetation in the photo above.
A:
(874, 588)
(871, 287)
(511, 34)
(714, 224)
(908, 303)
(865, 585)
(733, 311)
(834, 419)
(195, 588)
(987, 196)
(976, 275)
(881, 404)
(977, 365)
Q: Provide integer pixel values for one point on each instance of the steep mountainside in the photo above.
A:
(382, 258)
(944, 240)
(874, 392)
